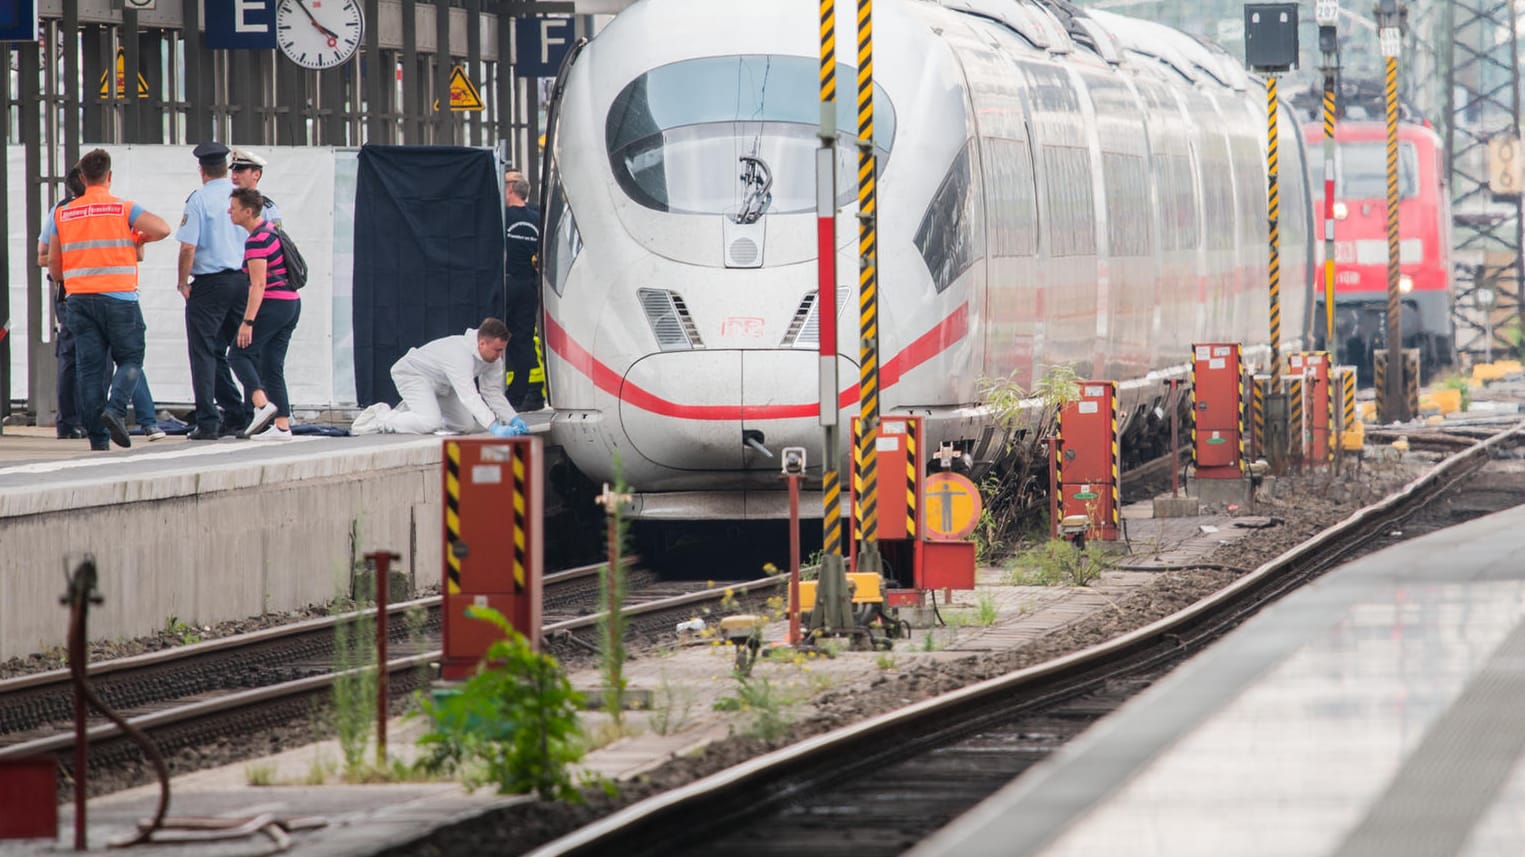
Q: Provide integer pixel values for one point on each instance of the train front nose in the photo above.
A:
(698, 410)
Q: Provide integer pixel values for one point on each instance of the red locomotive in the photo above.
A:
(1360, 240)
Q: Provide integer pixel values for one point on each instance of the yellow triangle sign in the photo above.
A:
(463, 93)
(121, 78)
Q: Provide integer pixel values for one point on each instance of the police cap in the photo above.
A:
(245, 159)
(210, 154)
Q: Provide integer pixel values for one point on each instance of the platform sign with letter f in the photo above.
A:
(540, 44)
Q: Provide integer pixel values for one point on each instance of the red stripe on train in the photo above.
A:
(947, 332)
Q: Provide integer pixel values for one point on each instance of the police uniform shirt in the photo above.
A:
(273, 213)
(219, 242)
(522, 233)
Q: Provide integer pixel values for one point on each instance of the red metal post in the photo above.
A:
(79, 655)
(794, 560)
(381, 564)
(1175, 437)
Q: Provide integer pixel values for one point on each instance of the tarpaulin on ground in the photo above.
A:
(428, 253)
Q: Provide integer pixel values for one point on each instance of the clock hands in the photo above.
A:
(333, 38)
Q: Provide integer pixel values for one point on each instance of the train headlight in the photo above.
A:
(1405, 284)
(1341, 211)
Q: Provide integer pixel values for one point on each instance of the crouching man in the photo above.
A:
(451, 384)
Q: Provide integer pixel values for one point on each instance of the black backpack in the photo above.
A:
(296, 266)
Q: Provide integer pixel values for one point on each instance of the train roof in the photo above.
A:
(1192, 59)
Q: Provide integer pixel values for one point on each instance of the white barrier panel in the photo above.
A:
(315, 189)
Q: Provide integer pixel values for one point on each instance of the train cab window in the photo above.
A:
(1361, 171)
(948, 236)
(562, 241)
(734, 135)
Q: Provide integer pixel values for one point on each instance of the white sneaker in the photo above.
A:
(370, 419)
(272, 433)
(263, 416)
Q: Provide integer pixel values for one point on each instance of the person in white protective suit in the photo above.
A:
(451, 384)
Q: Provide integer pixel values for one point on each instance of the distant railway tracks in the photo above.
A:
(200, 693)
(878, 787)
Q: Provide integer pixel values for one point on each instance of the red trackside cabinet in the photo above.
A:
(1088, 465)
(493, 493)
(1314, 368)
(1217, 395)
(920, 556)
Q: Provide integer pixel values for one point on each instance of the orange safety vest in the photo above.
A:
(95, 239)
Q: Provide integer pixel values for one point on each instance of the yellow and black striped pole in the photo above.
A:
(868, 300)
(1389, 37)
(1329, 343)
(912, 430)
(452, 518)
(1273, 216)
(833, 613)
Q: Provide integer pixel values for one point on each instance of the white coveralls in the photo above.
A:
(439, 387)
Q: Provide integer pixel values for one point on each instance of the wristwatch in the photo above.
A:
(249, 321)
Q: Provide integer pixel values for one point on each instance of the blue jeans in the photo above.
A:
(106, 331)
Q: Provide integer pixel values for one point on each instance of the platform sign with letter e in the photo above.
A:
(953, 505)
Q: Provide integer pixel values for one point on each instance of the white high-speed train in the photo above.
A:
(1056, 188)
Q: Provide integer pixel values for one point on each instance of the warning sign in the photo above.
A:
(953, 506)
(121, 78)
(464, 97)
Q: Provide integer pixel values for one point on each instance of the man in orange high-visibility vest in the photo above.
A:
(95, 255)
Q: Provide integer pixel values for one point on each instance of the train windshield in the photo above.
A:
(1361, 171)
(697, 137)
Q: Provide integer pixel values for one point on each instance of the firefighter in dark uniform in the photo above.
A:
(521, 229)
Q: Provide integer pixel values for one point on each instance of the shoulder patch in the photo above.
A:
(184, 218)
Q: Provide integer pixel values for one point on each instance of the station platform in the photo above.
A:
(1374, 712)
(205, 531)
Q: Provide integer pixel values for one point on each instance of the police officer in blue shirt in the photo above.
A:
(215, 287)
(248, 168)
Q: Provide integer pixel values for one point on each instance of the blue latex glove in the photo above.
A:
(515, 427)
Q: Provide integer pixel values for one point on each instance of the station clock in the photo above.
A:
(319, 33)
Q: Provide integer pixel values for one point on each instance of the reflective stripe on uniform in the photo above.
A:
(98, 243)
(96, 272)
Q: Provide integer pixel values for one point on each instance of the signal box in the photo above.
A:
(1314, 368)
(924, 522)
(1088, 463)
(1217, 397)
(493, 549)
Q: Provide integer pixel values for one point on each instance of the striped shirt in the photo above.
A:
(264, 244)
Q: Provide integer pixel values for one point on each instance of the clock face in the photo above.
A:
(319, 33)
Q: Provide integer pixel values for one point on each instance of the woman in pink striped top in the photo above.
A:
(258, 357)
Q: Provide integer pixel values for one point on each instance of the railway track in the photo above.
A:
(198, 694)
(881, 786)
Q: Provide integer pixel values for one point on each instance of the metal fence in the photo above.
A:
(103, 74)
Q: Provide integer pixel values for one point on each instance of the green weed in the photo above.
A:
(1057, 562)
(513, 724)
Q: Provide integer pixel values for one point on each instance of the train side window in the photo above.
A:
(948, 235)
(1127, 205)
(562, 242)
(1069, 221)
(1011, 197)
